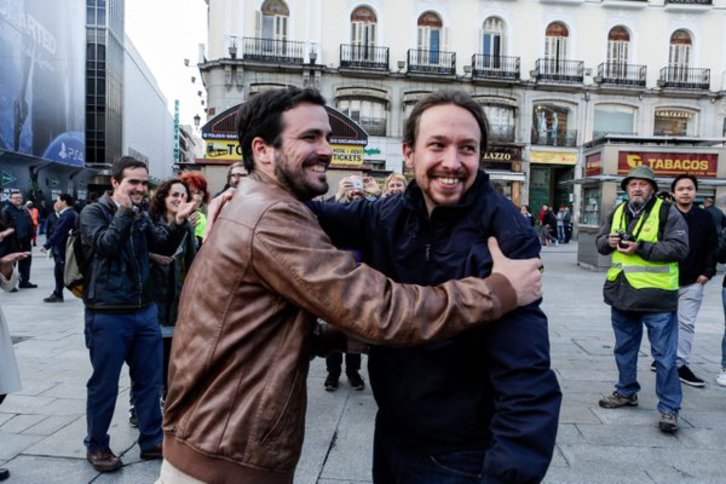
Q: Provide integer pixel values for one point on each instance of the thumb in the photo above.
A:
(494, 249)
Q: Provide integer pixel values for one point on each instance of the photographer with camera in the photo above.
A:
(646, 237)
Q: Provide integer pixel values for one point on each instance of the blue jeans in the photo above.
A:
(113, 338)
(393, 464)
(663, 336)
(723, 341)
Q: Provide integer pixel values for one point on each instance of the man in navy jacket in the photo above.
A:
(482, 406)
(57, 242)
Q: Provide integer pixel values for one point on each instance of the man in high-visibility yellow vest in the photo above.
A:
(646, 237)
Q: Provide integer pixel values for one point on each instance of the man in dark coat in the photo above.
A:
(57, 242)
(17, 217)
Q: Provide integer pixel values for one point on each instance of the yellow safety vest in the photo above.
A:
(641, 273)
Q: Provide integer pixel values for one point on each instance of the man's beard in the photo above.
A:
(295, 181)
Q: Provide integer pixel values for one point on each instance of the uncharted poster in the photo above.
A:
(42, 84)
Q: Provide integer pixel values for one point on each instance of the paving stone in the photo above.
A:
(13, 444)
(20, 422)
(40, 470)
(50, 425)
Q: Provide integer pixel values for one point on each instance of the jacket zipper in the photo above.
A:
(133, 258)
(428, 252)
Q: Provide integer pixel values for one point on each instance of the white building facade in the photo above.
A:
(552, 75)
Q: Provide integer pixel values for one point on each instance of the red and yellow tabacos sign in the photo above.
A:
(669, 164)
(593, 164)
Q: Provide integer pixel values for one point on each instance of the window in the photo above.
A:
(492, 40)
(674, 122)
(613, 119)
(551, 125)
(679, 56)
(430, 37)
(369, 113)
(556, 37)
(501, 122)
(272, 20)
(617, 62)
(363, 34)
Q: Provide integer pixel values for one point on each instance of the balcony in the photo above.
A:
(271, 51)
(373, 126)
(685, 78)
(495, 67)
(363, 57)
(555, 137)
(555, 70)
(434, 62)
(689, 2)
(501, 133)
(619, 74)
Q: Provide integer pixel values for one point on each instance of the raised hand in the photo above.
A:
(525, 275)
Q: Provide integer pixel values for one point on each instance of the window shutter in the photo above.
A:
(258, 24)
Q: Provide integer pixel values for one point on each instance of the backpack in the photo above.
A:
(76, 262)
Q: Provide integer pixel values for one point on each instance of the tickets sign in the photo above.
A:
(347, 155)
(670, 164)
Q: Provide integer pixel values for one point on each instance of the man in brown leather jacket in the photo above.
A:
(237, 393)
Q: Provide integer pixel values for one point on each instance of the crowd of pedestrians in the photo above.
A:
(218, 341)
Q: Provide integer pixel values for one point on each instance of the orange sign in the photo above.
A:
(670, 164)
(593, 164)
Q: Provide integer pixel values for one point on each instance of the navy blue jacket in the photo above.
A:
(61, 227)
(20, 220)
(119, 242)
(488, 388)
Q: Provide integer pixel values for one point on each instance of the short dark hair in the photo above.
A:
(236, 164)
(440, 98)
(683, 176)
(261, 116)
(118, 167)
(67, 198)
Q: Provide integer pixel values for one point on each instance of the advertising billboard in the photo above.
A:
(42, 79)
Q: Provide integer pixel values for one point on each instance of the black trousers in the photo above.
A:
(60, 265)
(24, 264)
(334, 362)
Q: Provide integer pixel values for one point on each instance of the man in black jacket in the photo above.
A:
(121, 320)
(57, 242)
(17, 217)
(482, 406)
(694, 271)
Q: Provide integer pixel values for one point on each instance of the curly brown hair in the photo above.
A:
(157, 211)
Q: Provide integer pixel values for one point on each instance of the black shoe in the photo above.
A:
(152, 453)
(103, 460)
(652, 365)
(4, 474)
(686, 376)
(15, 289)
(133, 419)
(356, 381)
(331, 382)
(53, 299)
(27, 285)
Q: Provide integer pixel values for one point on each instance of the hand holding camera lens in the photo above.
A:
(625, 237)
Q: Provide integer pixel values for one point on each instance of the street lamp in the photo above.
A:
(197, 120)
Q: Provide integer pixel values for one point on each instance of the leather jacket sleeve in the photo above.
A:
(324, 281)
(105, 238)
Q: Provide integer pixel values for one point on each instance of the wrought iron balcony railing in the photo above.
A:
(558, 70)
(431, 62)
(685, 77)
(272, 51)
(495, 67)
(689, 2)
(364, 57)
(502, 133)
(621, 74)
(552, 137)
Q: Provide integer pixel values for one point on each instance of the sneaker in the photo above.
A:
(4, 474)
(53, 299)
(356, 381)
(668, 422)
(721, 378)
(27, 285)
(331, 382)
(616, 400)
(133, 419)
(652, 365)
(152, 453)
(103, 460)
(686, 376)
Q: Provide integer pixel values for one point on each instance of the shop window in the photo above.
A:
(591, 206)
(369, 113)
(551, 125)
(612, 119)
(501, 123)
(674, 122)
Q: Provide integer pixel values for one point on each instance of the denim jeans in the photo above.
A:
(663, 336)
(690, 298)
(723, 341)
(392, 464)
(113, 338)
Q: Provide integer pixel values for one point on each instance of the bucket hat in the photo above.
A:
(640, 172)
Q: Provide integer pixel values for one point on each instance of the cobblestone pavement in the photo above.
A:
(42, 427)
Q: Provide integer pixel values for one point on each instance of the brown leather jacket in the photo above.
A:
(235, 410)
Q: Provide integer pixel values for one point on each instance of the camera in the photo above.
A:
(624, 236)
(357, 184)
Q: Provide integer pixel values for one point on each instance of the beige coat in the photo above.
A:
(9, 375)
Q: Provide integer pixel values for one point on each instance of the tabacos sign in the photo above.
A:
(670, 164)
